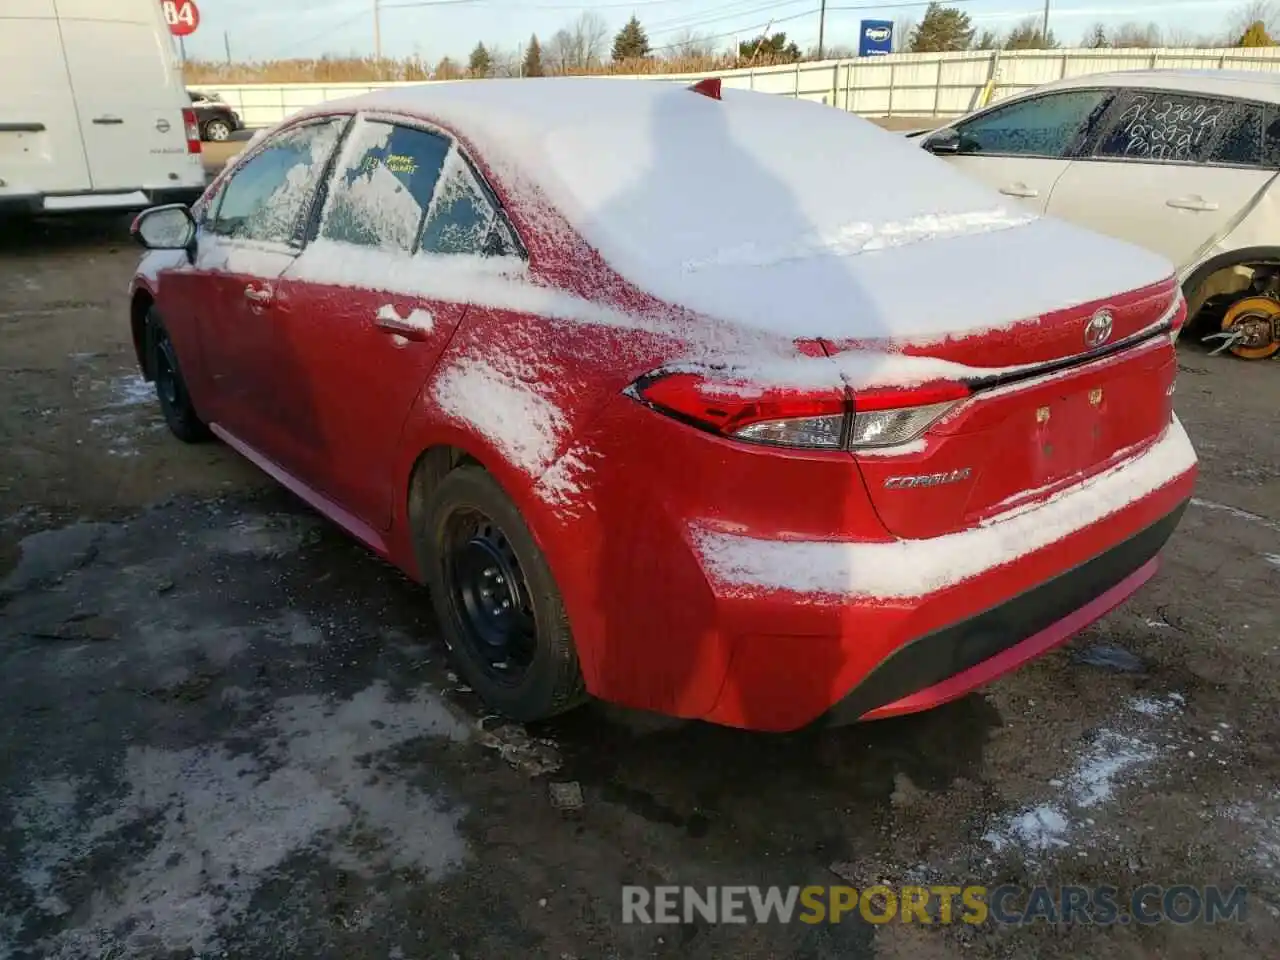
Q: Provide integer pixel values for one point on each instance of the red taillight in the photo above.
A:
(810, 417)
(192, 126)
(923, 395)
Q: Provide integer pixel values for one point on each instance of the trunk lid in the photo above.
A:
(1065, 414)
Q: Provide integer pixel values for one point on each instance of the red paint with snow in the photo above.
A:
(749, 519)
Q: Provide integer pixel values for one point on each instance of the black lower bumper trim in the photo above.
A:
(950, 650)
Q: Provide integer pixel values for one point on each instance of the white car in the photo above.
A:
(94, 115)
(1183, 162)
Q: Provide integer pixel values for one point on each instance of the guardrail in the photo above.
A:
(901, 84)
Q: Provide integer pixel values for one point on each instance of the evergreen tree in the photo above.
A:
(480, 64)
(941, 29)
(1096, 38)
(1028, 36)
(774, 49)
(631, 42)
(532, 59)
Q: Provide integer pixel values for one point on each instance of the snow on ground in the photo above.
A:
(1112, 758)
(1235, 512)
(902, 568)
(129, 411)
(1261, 820)
(223, 821)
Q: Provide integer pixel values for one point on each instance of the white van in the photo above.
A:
(93, 111)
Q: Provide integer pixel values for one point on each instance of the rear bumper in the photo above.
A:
(95, 201)
(956, 659)
(797, 657)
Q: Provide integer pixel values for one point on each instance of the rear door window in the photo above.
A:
(1047, 126)
(380, 195)
(465, 218)
(1165, 127)
(267, 197)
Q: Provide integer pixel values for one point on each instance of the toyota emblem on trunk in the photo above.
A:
(1098, 330)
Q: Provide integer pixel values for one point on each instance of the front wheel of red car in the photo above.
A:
(171, 390)
(496, 599)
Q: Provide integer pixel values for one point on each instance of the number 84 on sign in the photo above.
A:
(182, 16)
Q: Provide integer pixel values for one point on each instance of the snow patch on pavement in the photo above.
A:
(218, 824)
(1112, 758)
(1261, 820)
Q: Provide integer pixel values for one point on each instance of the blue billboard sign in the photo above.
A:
(875, 38)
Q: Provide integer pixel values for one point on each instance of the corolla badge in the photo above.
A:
(928, 479)
(1098, 330)
(877, 33)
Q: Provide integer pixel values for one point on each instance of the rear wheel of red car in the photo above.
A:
(496, 599)
(171, 389)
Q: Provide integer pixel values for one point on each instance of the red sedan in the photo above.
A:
(716, 404)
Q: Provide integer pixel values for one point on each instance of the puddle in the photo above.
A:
(1110, 656)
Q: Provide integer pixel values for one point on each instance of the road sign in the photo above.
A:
(183, 16)
(875, 38)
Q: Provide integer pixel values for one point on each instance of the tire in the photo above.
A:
(217, 131)
(471, 528)
(171, 389)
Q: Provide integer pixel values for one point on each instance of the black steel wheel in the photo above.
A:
(491, 595)
(496, 599)
(171, 390)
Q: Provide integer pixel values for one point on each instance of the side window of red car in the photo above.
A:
(266, 198)
(465, 217)
(382, 190)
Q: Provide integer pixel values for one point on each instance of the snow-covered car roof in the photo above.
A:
(1248, 84)
(729, 207)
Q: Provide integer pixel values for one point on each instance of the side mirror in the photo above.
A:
(944, 141)
(170, 227)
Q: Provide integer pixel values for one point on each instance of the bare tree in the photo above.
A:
(1135, 34)
(1181, 37)
(587, 41)
(558, 52)
(505, 63)
(1252, 12)
(691, 45)
(902, 31)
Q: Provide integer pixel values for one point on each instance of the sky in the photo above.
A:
(271, 29)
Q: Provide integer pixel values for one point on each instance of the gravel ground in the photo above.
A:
(227, 731)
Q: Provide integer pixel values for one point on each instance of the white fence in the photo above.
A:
(902, 84)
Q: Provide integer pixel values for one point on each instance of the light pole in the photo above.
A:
(822, 26)
(1044, 28)
(377, 29)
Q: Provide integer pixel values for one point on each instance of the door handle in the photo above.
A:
(397, 327)
(417, 327)
(1019, 190)
(260, 297)
(107, 121)
(1191, 203)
